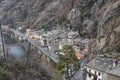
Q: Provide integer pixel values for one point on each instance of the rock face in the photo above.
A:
(108, 28)
(98, 18)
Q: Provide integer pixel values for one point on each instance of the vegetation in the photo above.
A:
(86, 12)
(4, 73)
(84, 34)
(63, 20)
(118, 46)
(19, 71)
(68, 61)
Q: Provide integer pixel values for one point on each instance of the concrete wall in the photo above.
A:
(113, 77)
(105, 76)
(48, 65)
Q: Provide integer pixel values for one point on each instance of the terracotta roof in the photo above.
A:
(79, 54)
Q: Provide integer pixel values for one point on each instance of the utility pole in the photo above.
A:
(3, 46)
(28, 61)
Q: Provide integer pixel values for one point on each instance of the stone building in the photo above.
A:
(98, 68)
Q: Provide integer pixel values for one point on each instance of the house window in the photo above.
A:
(95, 76)
(95, 72)
(99, 73)
(89, 74)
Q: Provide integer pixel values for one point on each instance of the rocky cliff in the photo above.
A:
(98, 19)
(109, 26)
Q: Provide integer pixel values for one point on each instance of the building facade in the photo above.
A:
(98, 67)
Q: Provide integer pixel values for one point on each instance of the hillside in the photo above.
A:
(98, 19)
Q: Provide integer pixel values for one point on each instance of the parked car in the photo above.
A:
(71, 72)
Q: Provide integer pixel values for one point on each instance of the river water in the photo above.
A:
(15, 51)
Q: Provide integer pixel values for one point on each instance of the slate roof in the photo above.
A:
(79, 54)
(65, 42)
(101, 64)
(115, 70)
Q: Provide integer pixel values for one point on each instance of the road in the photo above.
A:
(79, 74)
(53, 56)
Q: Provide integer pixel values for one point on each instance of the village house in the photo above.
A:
(98, 68)
(45, 38)
(54, 44)
(72, 35)
(34, 34)
(76, 48)
(55, 39)
(63, 43)
(79, 54)
(83, 44)
(20, 26)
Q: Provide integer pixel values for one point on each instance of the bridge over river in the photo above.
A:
(33, 47)
(36, 44)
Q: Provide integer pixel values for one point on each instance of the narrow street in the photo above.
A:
(77, 76)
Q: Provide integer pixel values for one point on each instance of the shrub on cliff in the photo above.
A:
(118, 47)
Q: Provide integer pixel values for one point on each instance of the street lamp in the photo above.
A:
(3, 46)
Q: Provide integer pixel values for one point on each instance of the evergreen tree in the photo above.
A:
(68, 61)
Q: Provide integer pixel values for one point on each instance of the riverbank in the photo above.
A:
(20, 68)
